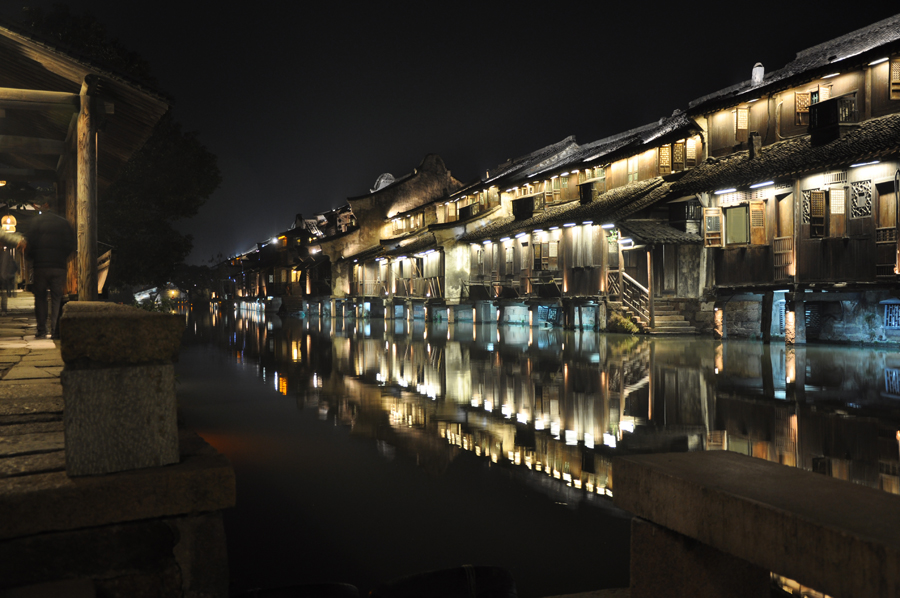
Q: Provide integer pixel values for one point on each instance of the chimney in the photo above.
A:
(755, 144)
(756, 77)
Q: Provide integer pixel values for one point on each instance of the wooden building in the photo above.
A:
(74, 124)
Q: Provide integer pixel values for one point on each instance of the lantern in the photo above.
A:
(9, 223)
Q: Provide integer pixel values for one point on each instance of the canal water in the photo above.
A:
(366, 451)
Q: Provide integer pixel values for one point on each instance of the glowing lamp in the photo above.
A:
(9, 223)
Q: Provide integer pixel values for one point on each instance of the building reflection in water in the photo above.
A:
(561, 404)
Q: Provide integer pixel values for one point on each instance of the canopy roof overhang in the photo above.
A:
(66, 120)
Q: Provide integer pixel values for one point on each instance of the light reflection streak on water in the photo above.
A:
(544, 399)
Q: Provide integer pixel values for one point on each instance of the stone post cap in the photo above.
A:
(110, 334)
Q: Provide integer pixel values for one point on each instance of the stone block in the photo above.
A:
(95, 332)
(839, 538)
(119, 418)
(665, 563)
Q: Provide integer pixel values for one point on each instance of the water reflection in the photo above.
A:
(560, 405)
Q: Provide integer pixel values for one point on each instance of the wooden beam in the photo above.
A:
(16, 144)
(87, 194)
(36, 99)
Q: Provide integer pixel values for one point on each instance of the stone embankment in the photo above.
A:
(100, 493)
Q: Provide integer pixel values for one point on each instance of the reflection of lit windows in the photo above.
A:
(588, 440)
(609, 440)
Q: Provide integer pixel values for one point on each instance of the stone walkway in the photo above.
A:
(31, 404)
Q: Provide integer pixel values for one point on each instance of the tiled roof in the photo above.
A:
(612, 205)
(653, 231)
(873, 139)
(832, 52)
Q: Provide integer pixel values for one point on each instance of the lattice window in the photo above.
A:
(834, 177)
(690, 151)
(817, 209)
(734, 198)
(892, 381)
(892, 315)
(802, 100)
(804, 207)
(665, 159)
(757, 223)
(860, 199)
(838, 201)
(678, 155)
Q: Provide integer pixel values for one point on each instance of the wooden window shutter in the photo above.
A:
(817, 212)
(690, 152)
(712, 227)
(895, 79)
(802, 100)
(678, 155)
(665, 159)
(741, 124)
(758, 222)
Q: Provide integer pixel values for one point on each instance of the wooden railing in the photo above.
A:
(612, 283)
(784, 257)
(885, 251)
(636, 297)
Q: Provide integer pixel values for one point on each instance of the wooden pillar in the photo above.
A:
(604, 261)
(650, 285)
(768, 303)
(621, 272)
(87, 194)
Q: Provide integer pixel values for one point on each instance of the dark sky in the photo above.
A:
(305, 105)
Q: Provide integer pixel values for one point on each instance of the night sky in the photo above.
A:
(306, 105)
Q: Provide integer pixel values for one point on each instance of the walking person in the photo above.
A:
(8, 270)
(49, 241)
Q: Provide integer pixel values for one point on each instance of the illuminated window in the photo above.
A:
(632, 169)
(895, 79)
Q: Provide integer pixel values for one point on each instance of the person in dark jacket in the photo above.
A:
(49, 241)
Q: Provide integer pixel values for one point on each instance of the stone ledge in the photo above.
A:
(95, 332)
(837, 537)
(43, 502)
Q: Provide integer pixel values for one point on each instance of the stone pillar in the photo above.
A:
(720, 330)
(794, 320)
(666, 563)
(118, 387)
(765, 325)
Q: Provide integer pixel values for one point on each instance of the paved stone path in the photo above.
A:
(31, 403)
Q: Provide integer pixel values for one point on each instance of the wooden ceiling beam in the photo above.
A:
(31, 145)
(33, 99)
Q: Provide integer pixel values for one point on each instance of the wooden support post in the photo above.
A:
(604, 261)
(768, 301)
(651, 286)
(621, 271)
(87, 194)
